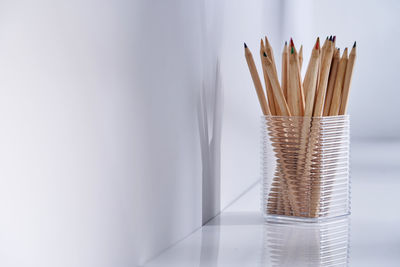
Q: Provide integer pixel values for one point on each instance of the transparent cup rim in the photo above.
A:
(347, 116)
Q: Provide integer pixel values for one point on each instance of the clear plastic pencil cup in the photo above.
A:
(305, 168)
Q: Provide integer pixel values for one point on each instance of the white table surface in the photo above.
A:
(240, 237)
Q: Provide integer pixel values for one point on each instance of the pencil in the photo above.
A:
(276, 198)
(268, 87)
(311, 161)
(331, 81)
(337, 91)
(304, 165)
(295, 87)
(323, 82)
(279, 111)
(282, 200)
(323, 49)
(273, 77)
(256, 81)
(310, 80)
(285, 70)
(301, 57)
(304, 157)
(347, 81)
(270, 54)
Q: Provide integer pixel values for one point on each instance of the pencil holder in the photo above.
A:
(305, 168)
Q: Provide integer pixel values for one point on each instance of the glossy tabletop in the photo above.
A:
(370, 236)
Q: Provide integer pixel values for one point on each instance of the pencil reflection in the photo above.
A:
(306, 244)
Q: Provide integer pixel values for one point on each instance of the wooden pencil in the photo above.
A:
(312, 161)
(269, 51)
(283, 201)
(347, 81)
(285, 70)
(278, 205)
(273, 77)
(323, 82)
(282, 198)
(295, 87)
(337, 90)
(310, 79)
(270, 54)
(256, 81)
(300, 57)
(323, 49)
(331, 81)
(303, 155)
(268, 87)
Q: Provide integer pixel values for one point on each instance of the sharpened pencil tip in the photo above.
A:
(355, 43)
(317, 44)
(285, 42)
(291, 42)
(334, 38)
(265, 55)
(330, 38)
(245, 45)
(327, 37)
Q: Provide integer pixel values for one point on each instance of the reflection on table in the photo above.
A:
(306, 244)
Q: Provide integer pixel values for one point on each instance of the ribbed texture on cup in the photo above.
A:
(317, 244)
(305, 166)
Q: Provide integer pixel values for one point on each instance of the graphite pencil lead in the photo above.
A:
(330, 38)
(334, 38)
(265, 55)
(355, 43)
(285, 42)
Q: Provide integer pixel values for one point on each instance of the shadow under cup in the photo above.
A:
(305, 167)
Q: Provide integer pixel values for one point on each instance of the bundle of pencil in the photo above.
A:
(324, 91)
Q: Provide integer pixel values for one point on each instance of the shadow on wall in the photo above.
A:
(210, 124)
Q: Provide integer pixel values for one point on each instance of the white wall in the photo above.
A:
(244, 21)
(375, 25)
(100, 161)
